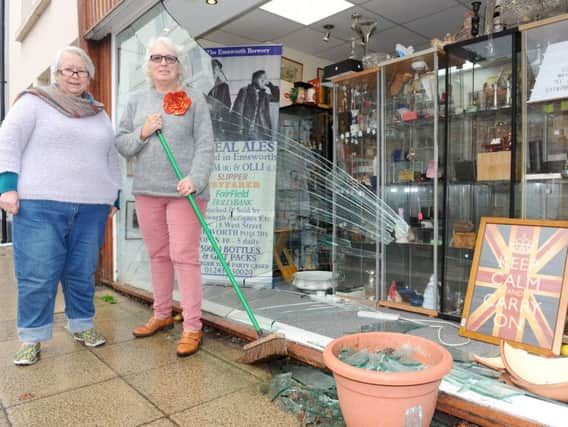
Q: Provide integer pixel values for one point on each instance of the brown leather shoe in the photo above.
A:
(152, 326)
(189, 343)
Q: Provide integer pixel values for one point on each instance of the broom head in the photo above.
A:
(268, 346)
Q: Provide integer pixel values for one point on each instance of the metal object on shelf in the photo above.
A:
(364, 29)
(347, 66)
(564, 171)
(373, 59)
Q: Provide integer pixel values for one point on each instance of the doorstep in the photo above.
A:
(310, 322)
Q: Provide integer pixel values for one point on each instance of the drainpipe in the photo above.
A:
(4, 233)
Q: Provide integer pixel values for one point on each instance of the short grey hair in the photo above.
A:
(77, 51)
(174, 48)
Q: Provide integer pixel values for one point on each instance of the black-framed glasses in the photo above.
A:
(68, 72)
(170, 59)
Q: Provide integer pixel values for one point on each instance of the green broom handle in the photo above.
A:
(210, 236)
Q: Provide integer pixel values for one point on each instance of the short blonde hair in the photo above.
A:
(77, 51)
(174, 48)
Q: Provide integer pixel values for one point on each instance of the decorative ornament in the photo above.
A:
(176, 103)
(411, 155)
(393, 294)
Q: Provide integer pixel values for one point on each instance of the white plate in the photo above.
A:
(315, 280)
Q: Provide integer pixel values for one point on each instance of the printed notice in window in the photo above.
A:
(552, 78)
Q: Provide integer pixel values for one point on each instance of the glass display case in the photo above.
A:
(297, 233)
(544, 185)
(410, 178)
(386, 137)
(482, 117)
(310, 125)
(356, 142)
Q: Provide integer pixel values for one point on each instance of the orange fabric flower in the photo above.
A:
(176, 103)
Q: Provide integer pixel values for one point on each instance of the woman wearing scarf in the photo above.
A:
(59, 178)
(170, 228)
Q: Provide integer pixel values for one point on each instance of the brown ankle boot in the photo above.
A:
(152, 326)
(189, 343)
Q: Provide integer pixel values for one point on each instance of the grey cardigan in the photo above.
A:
(190, 137)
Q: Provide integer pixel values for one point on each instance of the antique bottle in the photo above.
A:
(475, 18)
(497, 18)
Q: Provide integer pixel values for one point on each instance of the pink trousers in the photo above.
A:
(171, 232)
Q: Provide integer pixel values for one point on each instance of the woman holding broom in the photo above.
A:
(170, 229)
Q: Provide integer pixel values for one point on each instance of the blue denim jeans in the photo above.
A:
(56, 242)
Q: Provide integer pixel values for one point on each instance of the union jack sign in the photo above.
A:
(517, 289)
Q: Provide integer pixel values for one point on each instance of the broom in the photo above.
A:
(265, 346)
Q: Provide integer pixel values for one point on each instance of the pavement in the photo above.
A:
(128, 381)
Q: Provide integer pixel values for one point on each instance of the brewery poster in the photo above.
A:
(244, 104)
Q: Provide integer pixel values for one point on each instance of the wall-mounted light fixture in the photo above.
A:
(327, 35)
(211, 2)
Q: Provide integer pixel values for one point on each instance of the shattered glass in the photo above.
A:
(314, 401)
(385, 360)
(310, 393)
(469, 380)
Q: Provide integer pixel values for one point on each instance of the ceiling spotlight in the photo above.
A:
(327, 28)
(211, 2)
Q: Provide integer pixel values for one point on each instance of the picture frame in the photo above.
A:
(325, 93)
(291, 71)
(132, 227)
(518, 284)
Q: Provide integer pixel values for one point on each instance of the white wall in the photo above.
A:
(311, 63)
(57, 27)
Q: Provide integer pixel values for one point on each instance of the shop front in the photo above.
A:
(378, 208)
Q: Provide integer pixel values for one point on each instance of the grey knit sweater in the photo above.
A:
(57, 157)
(190, 137)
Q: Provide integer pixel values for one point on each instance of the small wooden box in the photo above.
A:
(494, 166)
(463, 240)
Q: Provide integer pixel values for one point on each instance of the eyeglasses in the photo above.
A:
(68, 72)
(170, 59)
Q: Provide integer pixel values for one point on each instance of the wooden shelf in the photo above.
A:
(355, 75)
(408, 307)
(306, 106)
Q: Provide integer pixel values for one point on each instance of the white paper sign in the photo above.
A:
(552, 79)
(241, 212)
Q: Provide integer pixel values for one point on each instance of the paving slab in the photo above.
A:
(194, 380)
(246, 407)
(61, 343)
(162, 422)
(139, 354)
(110, 403)
(51, 376)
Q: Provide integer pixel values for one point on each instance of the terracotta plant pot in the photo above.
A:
(371, 398)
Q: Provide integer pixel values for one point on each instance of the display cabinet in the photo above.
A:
(409, 178)
(386, 136)
(356, 142)
(310, 125)
(297, 234)
(482, 118)
(544, 184)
